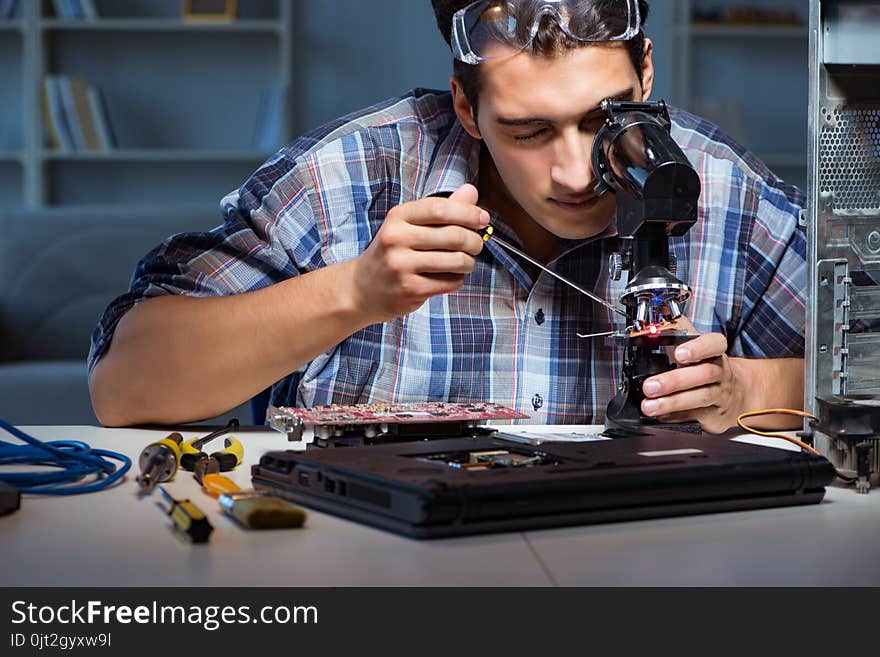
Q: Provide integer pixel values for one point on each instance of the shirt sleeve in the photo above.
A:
(268, 235)
(774, 285)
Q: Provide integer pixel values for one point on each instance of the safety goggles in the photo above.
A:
(479, 28)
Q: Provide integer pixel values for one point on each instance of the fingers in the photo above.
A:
(684, 378)
(434, 235)
(435, 210)
(443, 262)
(703, 347)
(687, 401)
(418, 288)
(429, 249)
(684, 323)
(442, 283)
(403, 262)
(702, 389)
(424, 248)
(445, 238)
(467, 193)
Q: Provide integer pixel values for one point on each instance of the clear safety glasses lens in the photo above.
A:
(490, 28)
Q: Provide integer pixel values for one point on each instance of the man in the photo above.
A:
(350, 268)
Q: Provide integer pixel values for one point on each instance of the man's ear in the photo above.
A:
(647, 70)
(463, 109)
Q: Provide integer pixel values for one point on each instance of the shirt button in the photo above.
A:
(537, 401)
(539, 316)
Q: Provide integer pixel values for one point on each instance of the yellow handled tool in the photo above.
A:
(216, 484)
(159, 462)
(189, 520)
(200, 463)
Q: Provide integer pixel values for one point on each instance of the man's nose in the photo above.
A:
(571, 168)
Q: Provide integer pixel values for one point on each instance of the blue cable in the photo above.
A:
(73, 459)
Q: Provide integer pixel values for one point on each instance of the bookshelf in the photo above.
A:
(184, 100)
(158, 25)
(11, 109)
(765, 110)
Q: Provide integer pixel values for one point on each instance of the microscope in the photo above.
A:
(635, 157)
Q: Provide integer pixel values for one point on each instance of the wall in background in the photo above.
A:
(353, 53)
(746, 70)
(346, 55)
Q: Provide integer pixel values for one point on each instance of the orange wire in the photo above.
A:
(769, 434)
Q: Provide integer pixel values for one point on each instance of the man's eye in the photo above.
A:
(524, 139)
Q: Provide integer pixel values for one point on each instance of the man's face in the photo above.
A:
(538, 117)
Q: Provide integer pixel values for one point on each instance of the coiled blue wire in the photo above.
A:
(73, 459)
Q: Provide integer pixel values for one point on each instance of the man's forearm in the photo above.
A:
(772, 383)
(177, 359)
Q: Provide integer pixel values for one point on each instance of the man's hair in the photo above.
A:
(549, 40)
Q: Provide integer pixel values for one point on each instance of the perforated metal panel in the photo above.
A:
(849, 158)
(843, 225)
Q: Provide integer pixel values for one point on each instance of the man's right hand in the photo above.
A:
(424, 248)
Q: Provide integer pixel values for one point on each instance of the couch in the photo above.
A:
(59, 268)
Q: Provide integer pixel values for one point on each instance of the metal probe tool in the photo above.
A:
(487, 234)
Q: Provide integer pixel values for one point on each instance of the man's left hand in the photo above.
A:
(707, 386)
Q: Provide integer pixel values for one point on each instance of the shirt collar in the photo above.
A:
(456, 161)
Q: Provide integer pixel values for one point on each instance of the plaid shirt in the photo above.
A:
(504, 336)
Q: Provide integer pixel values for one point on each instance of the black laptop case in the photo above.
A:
(411, 488)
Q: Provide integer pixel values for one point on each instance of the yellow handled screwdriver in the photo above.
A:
(189, 520)
(159, 462)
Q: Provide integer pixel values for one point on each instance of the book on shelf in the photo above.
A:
(90, 11)
(74, 97)
(98, 106)
(210, 11)
(53, 115)
(267, 132)
(68, 106)
(64, 9)
(75, 115)
(75, 9)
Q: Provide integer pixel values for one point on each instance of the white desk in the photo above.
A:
(112, 538)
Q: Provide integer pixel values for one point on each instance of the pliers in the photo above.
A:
(200, 463)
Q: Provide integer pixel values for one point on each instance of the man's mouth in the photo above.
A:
(575, 204)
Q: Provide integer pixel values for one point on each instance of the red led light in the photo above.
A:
(652, 329)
